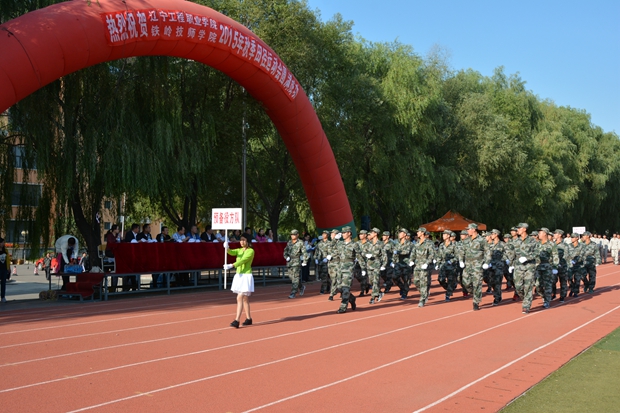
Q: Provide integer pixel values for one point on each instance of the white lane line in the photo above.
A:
(146, 341)
(175, 303)
(454, 393)
(409, 308)
(270, 362)
(419, 354)
(170, 311)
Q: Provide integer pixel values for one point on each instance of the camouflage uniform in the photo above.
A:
(474, 254)
(509, 251)
(295, 253)
(562, 274)
(375, 260)
(525, 272)
(320, 255)
(547, 260)
(333, 266)
(574, 259)
(592, 259)
(349, 253)
(496, 269)
(422, 255)
(402, 272)
(460, 247)
(357, 271)
(447, 263)
(388, 274)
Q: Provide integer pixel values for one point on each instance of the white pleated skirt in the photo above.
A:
(243, 284)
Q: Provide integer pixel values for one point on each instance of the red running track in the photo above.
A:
(178, 354)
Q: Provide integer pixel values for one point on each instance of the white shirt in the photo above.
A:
(62, 244)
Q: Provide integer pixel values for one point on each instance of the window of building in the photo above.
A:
(107, 204)
(107, 226)
(26, 195)
(14, 231)
(20, 158)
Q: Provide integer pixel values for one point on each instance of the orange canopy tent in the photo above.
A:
(452, 221)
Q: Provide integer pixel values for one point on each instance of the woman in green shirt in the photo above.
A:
(243, 281)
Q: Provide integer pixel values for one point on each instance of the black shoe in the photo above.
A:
(476, 307)
(495, 303)
(342, 310)
(361, 294)
(489, 290)
(372, 301)
(561, 299)
(302, 289)
(353, 305)
(331, 298)
(575, 295)
(570, 294)
(235, 324)
(387, 290)
(367, 289)
(247, 322)
(321, 292)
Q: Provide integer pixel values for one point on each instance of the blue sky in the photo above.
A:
(567, 51)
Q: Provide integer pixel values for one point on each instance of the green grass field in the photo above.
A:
(588, 383)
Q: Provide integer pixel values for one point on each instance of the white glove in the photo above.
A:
(462, 264)
(329, 258)
(396, 252)
(288, 259)
(382, 268)
(507, 262)
(316, 262)
(369, 256)
(511, 269)
(424, 266)
(392, 265)
(338, 235)
(449, 262)
(225, 245)
(596, 265)
(554, 271)
(485, 266)
(228, 266)
(303, 264)
(411, 263)
(324, 259)
(363, 273)
(434, 261)
(572, 262)
(522, 259)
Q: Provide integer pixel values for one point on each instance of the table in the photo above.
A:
(156, 257)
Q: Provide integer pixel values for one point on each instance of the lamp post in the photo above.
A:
(24, 233)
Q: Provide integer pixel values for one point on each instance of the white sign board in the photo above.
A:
(579, 230)
(227, 218)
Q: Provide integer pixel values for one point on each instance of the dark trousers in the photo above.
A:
(4, 274)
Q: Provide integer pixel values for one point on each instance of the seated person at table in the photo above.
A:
(145, 235)
(248, 232)
(179, 236)
(193, 235)
(235, 236)
(261, 237)
(67, 249)
(163, 236)
(132, 235)
(221, 236)
(208, 235)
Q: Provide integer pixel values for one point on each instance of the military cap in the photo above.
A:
(363, 231)
(523, 225)
(386, 233)
(507, 236)
(513, 229)
(587, 233)
(452, 234)
(464, 232)
(496, 231)
(421, 229)
(335, 231)
(346, 229)
(574, 235)
(408, 234)
(325, 231)
(377, 230)
(294, 232)
(403, 230)
(534, 233)
(472, 226)
(447, 231)
(545, 230)
(558, 231)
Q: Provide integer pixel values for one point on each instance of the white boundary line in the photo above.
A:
(409, 308)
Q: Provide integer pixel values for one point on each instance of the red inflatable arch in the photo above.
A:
(42, 46)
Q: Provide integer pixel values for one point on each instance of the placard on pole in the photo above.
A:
(226, 219)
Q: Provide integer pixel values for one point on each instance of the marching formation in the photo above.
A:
(530, 263)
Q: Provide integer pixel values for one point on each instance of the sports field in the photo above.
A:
(178, 354)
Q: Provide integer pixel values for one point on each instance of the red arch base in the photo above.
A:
(42, 46)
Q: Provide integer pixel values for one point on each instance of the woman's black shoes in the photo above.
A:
(235, 324)
(247, 322)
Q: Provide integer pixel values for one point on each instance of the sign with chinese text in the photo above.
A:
(128, 26)
(226, 218)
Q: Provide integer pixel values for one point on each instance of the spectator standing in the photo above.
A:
(47, 265)
(131, 281)
(208, 235)
(112, 240)
(67, 250)
(5, 265)
(243, 281)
